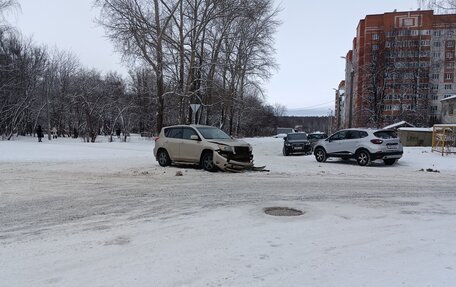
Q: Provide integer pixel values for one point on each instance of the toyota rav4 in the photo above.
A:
(207, 146)
(364, 145)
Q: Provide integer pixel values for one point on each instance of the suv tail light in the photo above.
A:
(156, 138)
(376, 141)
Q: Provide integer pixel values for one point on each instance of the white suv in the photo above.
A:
(207, 146)
(365, 145)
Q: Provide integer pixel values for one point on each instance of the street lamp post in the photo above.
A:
(350, 108)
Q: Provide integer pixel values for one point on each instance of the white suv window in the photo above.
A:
(356, 134)
(175, 133)
(187, 133)
(339, 136)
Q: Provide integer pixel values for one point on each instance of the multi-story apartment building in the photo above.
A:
(339, 115)
(401, 66)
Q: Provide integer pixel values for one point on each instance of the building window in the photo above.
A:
(436, 44)
(449, 65)
(446, 96)
(448, 76)
(436, 54)
(375, 37)
(435, 76)
(435, 97)
(450, 43)
(437, 33)
(450, 109)
(447, 86)
(408, 22)
(374, 47)
(449, 55)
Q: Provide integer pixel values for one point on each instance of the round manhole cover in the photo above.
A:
(283, 211)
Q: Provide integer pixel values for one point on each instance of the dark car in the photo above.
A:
(296, 143)
(313, 138)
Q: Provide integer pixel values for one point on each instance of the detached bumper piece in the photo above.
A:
(225, 162)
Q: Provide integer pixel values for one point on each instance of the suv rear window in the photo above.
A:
(386, 134)
(296, 136)
(173, 133)
(317, 136)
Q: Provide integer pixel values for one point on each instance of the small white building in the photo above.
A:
(448, 112)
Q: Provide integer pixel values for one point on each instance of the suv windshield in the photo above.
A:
(296, 136)
(213, 133)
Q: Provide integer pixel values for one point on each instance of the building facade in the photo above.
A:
(449, 110)
(401, 66)
(339, 111)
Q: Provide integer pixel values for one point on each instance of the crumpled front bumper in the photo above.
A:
(230, 165)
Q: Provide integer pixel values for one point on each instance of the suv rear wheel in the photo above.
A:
(320, 154)
(363, 157)
(163, 158)
(207, 161)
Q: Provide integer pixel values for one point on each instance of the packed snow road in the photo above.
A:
(105, 214)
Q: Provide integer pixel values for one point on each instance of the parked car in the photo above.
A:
(315, 137)
(364, 145)
(296, 143)
(207, 146)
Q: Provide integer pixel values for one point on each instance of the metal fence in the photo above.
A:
(444, 138)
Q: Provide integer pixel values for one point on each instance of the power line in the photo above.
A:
(314, 106)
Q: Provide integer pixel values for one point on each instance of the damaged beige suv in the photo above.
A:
(207, 146)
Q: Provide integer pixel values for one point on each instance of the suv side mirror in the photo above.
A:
(194, 137)
(284, 138)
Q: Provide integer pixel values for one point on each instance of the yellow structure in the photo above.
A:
(444, 138)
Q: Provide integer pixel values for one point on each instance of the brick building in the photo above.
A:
(401, 66)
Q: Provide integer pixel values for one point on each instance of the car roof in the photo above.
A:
(365, 129)
(193, 126)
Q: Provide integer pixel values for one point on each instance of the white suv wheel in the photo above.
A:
(363, 158)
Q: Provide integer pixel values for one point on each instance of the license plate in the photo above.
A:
(298, 147)
(392, 146)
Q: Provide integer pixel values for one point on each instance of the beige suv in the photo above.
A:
(207, 146)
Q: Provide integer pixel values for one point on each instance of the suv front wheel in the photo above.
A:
(207, 161)
(363, 157)
(320, 154)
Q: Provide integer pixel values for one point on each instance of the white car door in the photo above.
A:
(334, 142)
(190, 149)
(172, 142)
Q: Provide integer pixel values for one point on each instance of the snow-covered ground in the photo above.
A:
(105, 214)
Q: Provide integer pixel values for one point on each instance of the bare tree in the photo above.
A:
(138, 30)
(440, 6)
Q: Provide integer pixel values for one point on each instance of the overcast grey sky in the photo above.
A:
(309, 43)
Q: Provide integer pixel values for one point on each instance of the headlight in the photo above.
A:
(287, 144)
(226, 148)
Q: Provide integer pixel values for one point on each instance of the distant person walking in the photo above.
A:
(39, 133)
(54, 132)
(118, 133)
